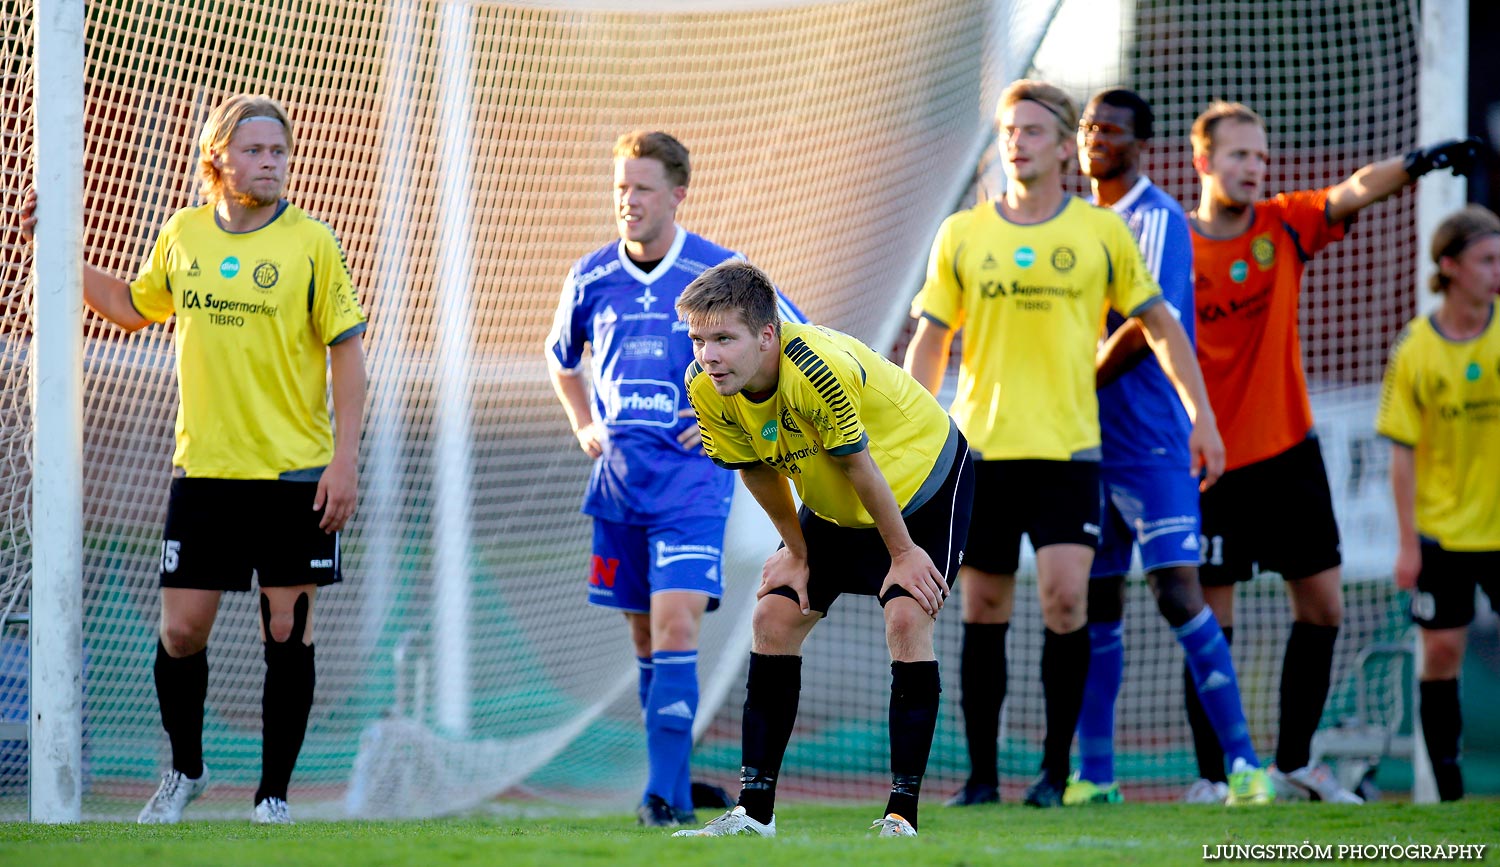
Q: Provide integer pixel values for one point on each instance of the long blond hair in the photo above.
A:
(219, 129)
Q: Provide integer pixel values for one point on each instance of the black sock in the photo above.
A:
(285, 706)
(915, 687)
(181, 690)
(1305, 670)
(1205, 740)
(1065, 667)
(771, 692)
(1442, 724)
(982, 682)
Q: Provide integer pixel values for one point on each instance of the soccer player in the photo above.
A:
(1151, 500)
(658, 505)
(886, 483)
(1273, 509)
(264, 308)
(1028, 277)
(1440, 408)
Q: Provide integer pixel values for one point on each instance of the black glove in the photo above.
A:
(1460, 155)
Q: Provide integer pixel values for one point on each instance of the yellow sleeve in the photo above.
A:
(335, 303)
(1399, 417)
(150, 292)
(826, 389)
(1132, 288)
(726, 443)
(941, 296)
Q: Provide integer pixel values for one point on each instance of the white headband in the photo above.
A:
(244, 121)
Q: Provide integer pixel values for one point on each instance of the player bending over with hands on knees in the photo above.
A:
(886, 483)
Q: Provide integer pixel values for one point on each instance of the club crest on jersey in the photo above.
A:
(265, 275)
(1263, 251)
(787, 424)
(229, 267)
(768, 430)
(1025, 257)
(1239, 269)
(1063, 259)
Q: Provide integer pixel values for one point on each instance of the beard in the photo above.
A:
(248, 199)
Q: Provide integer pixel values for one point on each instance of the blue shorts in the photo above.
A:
(1153, 507)
(632, 561)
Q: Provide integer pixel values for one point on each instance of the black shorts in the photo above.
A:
(1275, 515)
(1445, 586)
(1052, 502)
(852, 560)
(220, 530)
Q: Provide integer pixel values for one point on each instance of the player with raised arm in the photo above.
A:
(1150, 498)
(1028, 277)
(886, 483)
(1440, 408)
(658, 505)
(264, 308)
(1273, 510)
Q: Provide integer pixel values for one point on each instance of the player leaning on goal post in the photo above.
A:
(1150, 497)
(264, 303)
(1440, 408)
(1273, 510)
(658, 505)
(886, 484)
(1028, 277)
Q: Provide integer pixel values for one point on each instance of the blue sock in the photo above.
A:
(644, 668)
(1218, 689)
(670, 709)
(1096, 720)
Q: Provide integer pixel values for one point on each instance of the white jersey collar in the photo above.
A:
(1126, 201)
(660, 270)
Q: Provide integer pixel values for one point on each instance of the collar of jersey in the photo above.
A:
(1490, 320)
(280, 209)
(1141, 186)
(1000, 215)
(659, 271)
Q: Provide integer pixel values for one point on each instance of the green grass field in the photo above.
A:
(810, 836)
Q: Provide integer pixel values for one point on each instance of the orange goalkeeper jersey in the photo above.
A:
(1246, 290)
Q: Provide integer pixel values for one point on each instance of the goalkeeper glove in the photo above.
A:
(1460, 155)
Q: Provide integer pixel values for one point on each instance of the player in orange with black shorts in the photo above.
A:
(1272, 510)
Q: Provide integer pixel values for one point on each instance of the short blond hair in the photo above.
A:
(219, 129)
(673, 156)
(1051, 97)
(1218, 112)
(1454, 235)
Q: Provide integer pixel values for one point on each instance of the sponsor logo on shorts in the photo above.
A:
(1091, 529)
(1423, 606)
(669, 554)
(602, 571)
(321, 564)
(1145, 531)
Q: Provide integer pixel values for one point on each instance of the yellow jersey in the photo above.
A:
(1441, 397)
(255, 312)
(834, 396)
(1031, 300)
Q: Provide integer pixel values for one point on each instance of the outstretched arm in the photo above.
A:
(1378, 181)
(1170, 344)
(105, 294)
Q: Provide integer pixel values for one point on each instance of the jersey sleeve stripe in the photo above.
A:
(1153, 239)
(824, 382)
(357, 329)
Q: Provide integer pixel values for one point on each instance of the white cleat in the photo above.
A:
(731, 823)
(1313, 782)
(1206, 792)
(272, 811)
(176, 791)
(894, 826)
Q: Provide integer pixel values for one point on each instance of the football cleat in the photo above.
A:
(1206, 792)
(894, 825)
(655, 812)
(1312, 782)
(272, 811)
(176, 791)
(1080, 792)
(1249, 786)
(973, 794)
(1044, 792)
(731, 823)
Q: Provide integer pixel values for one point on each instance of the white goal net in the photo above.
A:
(460, 150)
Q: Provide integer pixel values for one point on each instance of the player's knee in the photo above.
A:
(1442, 655)
(1179, 597)
(1064, 609)
(285, 626)
(1106, 600)
(183, 638)
(777, 626)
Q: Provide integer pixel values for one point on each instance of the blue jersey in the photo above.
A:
(640, 349)
(1142, 420)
